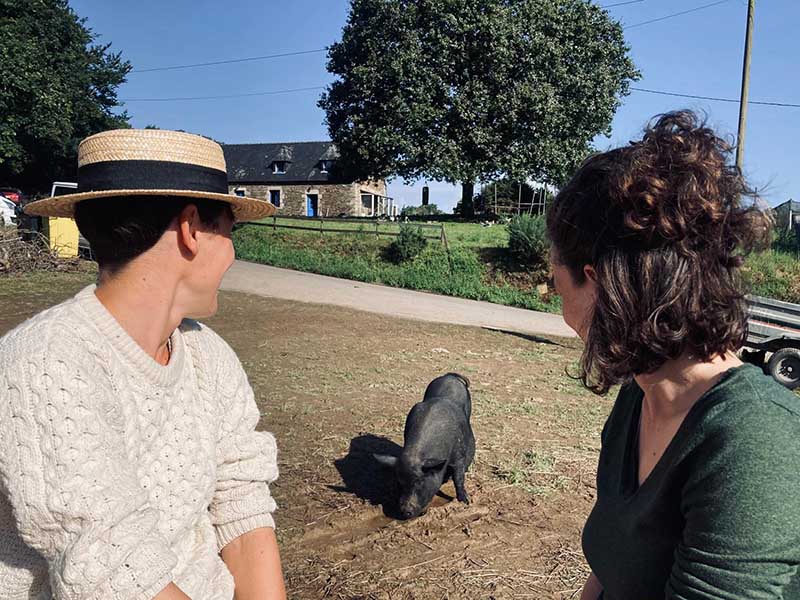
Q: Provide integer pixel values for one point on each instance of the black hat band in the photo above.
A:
(150, 175)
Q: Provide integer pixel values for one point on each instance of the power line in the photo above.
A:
(227, 62)
(677, 14)
(285, 54)
(715, 99)
(320, 87)
(271, 93)
(325, 49)
(622, 3)
(318, 50)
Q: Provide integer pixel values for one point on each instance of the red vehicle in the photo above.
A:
(12, 194)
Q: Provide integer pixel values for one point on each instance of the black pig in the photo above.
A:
(439, 444)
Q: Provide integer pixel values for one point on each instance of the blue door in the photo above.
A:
(312, 202)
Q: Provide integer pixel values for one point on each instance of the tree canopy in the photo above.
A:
(466, 90)
(58, 87)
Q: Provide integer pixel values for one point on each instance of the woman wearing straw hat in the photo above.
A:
(130, 466)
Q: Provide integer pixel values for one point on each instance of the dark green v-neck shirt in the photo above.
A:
(719, 515)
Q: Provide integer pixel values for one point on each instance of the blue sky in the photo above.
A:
(698, 53)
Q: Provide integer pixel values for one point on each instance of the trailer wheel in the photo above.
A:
(784, 366)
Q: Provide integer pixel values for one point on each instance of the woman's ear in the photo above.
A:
(188, 225)
(590, 273)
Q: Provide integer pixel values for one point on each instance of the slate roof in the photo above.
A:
(252, 163)
(792, 205)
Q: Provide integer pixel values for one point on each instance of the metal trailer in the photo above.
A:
(774, 329)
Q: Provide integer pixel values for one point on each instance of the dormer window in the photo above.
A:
(325, 166)
(279, 167)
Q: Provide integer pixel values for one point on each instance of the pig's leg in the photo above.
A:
(458, 481)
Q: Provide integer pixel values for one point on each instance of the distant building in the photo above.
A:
(300, 179)
(787, 215)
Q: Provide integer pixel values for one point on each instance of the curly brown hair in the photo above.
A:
(663, 224)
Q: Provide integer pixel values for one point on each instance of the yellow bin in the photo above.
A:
(62, 235)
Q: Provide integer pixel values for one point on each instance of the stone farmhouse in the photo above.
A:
(299, 179)
(787, 215)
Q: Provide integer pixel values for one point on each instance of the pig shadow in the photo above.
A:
(526, 336)
(363, 476)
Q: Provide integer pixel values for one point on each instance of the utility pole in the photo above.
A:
(751, 9)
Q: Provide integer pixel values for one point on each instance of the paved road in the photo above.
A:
(307, 287)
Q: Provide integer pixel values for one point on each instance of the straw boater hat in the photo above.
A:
(150, 162)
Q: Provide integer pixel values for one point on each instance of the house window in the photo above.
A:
(275, 197)
(367, 203)
(325, 166)
(279, 167)
(241, 192)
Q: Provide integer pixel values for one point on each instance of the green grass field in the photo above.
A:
(773, 274)
(475, 235)
(42, 282)
(467, 235)
(363, 258)
(480, 266)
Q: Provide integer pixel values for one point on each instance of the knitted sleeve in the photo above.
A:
(246, 458)
(742, 511)
(75, 497)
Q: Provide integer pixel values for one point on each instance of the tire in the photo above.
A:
(784, 367)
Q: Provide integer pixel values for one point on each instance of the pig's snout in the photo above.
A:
(409, 512)
(409, 507)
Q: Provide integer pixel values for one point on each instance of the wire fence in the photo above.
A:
(375, 227)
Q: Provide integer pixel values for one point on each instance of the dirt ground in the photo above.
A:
(335, 385)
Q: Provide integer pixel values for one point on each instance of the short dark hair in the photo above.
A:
(121, 228)
(662, 222)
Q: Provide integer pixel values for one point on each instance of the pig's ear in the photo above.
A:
(386, 460)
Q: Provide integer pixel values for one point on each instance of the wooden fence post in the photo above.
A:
(322, 226)
(447, 249)
(274, 223)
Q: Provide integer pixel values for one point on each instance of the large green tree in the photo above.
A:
(56, 87)
(466, 90)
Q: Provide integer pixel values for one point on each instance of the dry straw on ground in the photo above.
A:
(27, 251)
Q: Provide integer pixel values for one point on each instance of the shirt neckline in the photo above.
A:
(630, 479)
(118, 339)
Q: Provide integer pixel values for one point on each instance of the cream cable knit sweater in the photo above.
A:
(119, 475)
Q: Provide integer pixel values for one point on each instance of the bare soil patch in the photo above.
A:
(335, 385)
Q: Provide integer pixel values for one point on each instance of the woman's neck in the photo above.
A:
(672, 390)
(145, 305)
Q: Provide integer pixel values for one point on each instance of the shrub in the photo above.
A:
(408, 245)
(527, 240)
(420, 211)
(786, 240)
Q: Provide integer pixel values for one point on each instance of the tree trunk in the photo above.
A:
(467, 194)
